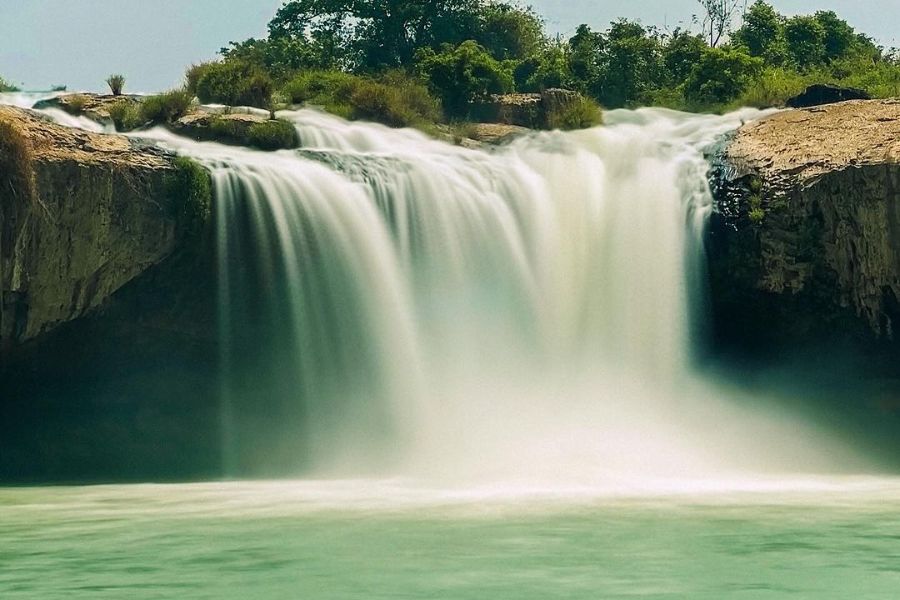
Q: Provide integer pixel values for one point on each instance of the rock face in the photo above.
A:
(526, 110)
(819, 94)
(806, 242)
(81, 215)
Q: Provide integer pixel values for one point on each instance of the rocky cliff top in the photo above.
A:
(52, 142)
(810, 142)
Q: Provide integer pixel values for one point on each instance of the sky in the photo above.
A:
(79, 43)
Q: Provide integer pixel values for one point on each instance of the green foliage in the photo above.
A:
(7, 87)
(508, 32)
(273, 134)
(549, 69)
(193, 74)
(126, 115)
(682, 53)
(116, 83)
(581, 114)
(762, 32)
(334, 53)
(720, 76)
(189, 189)
(805, 38)
(283, 56)
(463, 74)
(393, 99)
(167, 107)
(234, 83)
(75, 104)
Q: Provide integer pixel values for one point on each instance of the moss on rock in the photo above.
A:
(189, 189)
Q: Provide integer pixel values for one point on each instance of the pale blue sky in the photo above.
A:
(80, 42)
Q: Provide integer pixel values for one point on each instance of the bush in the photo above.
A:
(332, 90)
(463, 75)
(126, 115)
(773, 87)
(75, 104)
(7, 87)
(194, 73)
(720, 76)
(274, 134)
(395, 100)
(581, 114)
(166, 107)
(116, 83)
(189, 189)
(234, 83)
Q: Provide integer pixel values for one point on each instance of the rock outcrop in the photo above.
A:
(819, 94)
(81, 215)
(526, 110)
(93, 106)
(806, 242)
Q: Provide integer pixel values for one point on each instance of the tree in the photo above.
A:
(681, 53)
(630, 64)
(839, 35)
(762, 32)
(461, 75)
(718, 15)
(376, 34)
(805, 37)
(720, 76)
(509, 32)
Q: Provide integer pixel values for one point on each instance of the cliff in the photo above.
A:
(81, 215)
(805, 244)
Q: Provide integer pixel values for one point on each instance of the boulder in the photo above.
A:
(819, 94)
(805, 242)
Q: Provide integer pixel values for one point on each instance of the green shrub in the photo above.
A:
(194, 73)
(116, 83)
(189, 189)
(463, 75)
(720, 76)
(773, 87)
(126, 115)
(581, 114)
(7, 87)
(274, 134)
(332, 90)
(235, 84)
(395, 99)
(167, 107)
(75, 104)
(16, 171)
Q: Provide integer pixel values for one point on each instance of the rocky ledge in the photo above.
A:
(805, 244)
(81, 215)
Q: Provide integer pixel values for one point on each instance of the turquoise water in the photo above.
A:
(808, 539)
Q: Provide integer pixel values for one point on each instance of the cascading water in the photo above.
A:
(391, 304)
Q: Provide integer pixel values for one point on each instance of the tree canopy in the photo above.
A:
(463, 50)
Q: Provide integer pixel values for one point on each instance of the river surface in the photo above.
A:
(812, 538)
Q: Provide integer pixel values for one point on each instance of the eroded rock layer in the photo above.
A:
(81, 215)
(807, 240)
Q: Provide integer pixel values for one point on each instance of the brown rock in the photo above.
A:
(92, 217)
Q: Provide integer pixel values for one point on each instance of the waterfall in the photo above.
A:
(391, 304)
